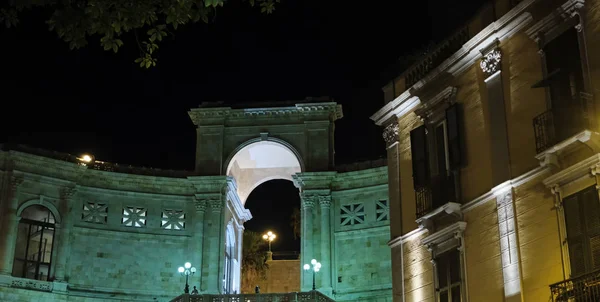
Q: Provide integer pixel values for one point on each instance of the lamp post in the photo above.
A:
(269, 236)
(316, 266)
(186, 270)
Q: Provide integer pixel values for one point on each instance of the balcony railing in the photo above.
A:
(441, 190)
(287, 297)
(585, 288)
(553, 126)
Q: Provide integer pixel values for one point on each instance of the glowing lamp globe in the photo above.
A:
(181, 269)
(188, 265)
(306, 267)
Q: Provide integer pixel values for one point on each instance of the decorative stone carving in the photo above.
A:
(390, 133)
(201, 205)
(216, 204)
(308, 203)
(15, 181)
(490, 63)
(67, 192)
(32, 284)
(324, 201)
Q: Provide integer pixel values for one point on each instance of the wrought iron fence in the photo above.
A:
(440, 191)
(549, 129)
(284, 297)
(585, 288)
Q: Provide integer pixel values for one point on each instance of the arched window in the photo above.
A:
(35, 239)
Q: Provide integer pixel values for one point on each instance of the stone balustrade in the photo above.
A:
(282, 297)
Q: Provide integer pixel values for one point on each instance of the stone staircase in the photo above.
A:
(287, 297)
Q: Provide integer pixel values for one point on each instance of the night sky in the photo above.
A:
(99, 102)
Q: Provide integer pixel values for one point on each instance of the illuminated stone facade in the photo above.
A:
(483, 206)
(74, 229)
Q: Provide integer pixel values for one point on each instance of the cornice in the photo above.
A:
(551, 21)
(82, 189)
(506, 26)
(444, 234)
(406, 237)
(366, 189)
(314, 180)
(499, 189)
(332, 110)
(573, 172)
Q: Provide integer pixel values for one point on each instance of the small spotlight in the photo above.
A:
(86, 158)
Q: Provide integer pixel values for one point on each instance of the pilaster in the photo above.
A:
(63, 230)
(307, 253)
(491, 66)
(390, 135)
(326, 258)
(198, 239)
(9, 226)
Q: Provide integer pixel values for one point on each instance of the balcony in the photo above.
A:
(555, 126)
(584, 288)
(284, 297)
(441, 191)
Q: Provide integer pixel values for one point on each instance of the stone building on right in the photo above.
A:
(494, 159)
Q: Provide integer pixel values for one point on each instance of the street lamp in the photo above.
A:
(316, 266)
(186, 270)
(269, 236)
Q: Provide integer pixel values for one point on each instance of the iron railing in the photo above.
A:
(585, 288)
(435, 57)
(284, 297)
(552, 127)
(440, 191)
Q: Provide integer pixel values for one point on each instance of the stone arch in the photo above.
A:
(42, 202)
(259, 160)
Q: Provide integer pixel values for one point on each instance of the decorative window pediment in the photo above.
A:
(446, 238)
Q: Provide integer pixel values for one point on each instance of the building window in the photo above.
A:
(570, 106)
(173, 220)
(35, 239)
(436, 158)
(582, 217)
(448, 276)
(134, 217)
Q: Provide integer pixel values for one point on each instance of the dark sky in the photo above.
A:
(102, 103)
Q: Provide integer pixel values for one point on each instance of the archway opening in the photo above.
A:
(259, 162)
(275, 207)
(263, 173)
(35, 241)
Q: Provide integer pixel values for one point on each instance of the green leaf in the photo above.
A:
(138, 60)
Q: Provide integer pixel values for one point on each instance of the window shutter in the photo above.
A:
(420, 157)
(453, 131)
(575, 236)
(591, 210)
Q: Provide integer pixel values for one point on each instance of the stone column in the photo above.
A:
(198, 240)
(307, 253)
(326, 261)
(10, 226)
(63, 234)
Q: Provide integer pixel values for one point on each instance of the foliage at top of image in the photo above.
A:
(150, 21)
